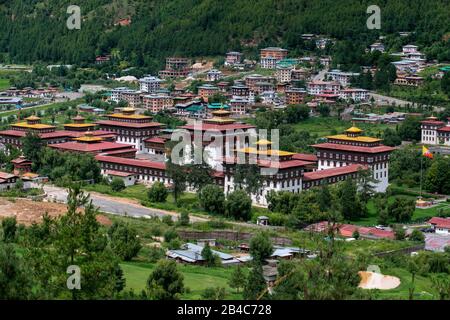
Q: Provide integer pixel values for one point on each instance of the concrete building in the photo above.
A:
(149, 84)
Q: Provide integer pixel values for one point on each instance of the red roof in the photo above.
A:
(5, 175)
(333, 172)
(20, 160)
(128, 124)
(347, 230)
(273, 164)
(305, 157)
(119, 173)
(433, 122)
(96, 147)
(218, 127)
(57, 134)
(345, 147)
(155, 140)
(132, 162)
(444, 129)
(443, 223)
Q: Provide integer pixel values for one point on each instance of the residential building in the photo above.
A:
(232, 58)
(440, 225)
(344, 78)
(411, 81)
(435, 132)
(149, 84)
(377, 46)
(357, 95)
(295, 95)
(157, 102)
(206, 91)
(271, 55)
(213, 75)
(322, 87)
(176, 67)
(283, 73)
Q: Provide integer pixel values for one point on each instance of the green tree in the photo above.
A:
(212, 199)
(256, 285)
(178, 176)
(416, 235)
(32, 146)
(260, 247)
(248, 177)
(217, 293)
(184, 218)
(350, 206)
(166, 282)
(401, 210)
(210, 258)
(9, 227)
(239, 205)
(117, 184)
(157, 192)
(124, 240)
(15, 280)
(237, 279)
(366, 185)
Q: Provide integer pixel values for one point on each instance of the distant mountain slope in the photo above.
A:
(33, 30)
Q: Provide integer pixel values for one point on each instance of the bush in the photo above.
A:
(117, 185)
(212, 199)
(167, 220)
(170, 235)
(184, 218)
(399, 233)
(9, 226)
(214, 293)
(158, 192)
(239, 205)
(416, 235)
(124, 240)
(155, 254)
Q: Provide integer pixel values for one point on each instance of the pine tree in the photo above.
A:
(237, 279)
(256, 285)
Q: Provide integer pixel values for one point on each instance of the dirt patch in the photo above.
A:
(28, 212)
(372, 280)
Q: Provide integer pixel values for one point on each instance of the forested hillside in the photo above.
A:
(35, 30)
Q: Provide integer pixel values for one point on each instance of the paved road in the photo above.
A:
(110, 204)
(386, 100)
(320, 75)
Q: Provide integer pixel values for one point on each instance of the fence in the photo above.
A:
(228, 235)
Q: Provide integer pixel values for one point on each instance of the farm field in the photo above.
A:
(196, 278)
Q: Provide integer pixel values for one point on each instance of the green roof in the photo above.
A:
(218, 106)
(194, 108)
(445, 69)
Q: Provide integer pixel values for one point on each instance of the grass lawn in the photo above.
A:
(4, 84)
(196, 278)
(423, 286)
(419, 214)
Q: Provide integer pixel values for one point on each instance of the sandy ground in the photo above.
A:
(371, 280)
(28, 212)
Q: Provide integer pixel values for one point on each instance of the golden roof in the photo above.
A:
(278, 153)
(32, 118)
(128, 116)
(263, 142)
(221, 112)
(80, 125)
(87, 138)
(33, 126)
(358, 139)
(354, 130)
(220, 120)
(128, 109)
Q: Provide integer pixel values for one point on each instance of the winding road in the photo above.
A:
(114, 205)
